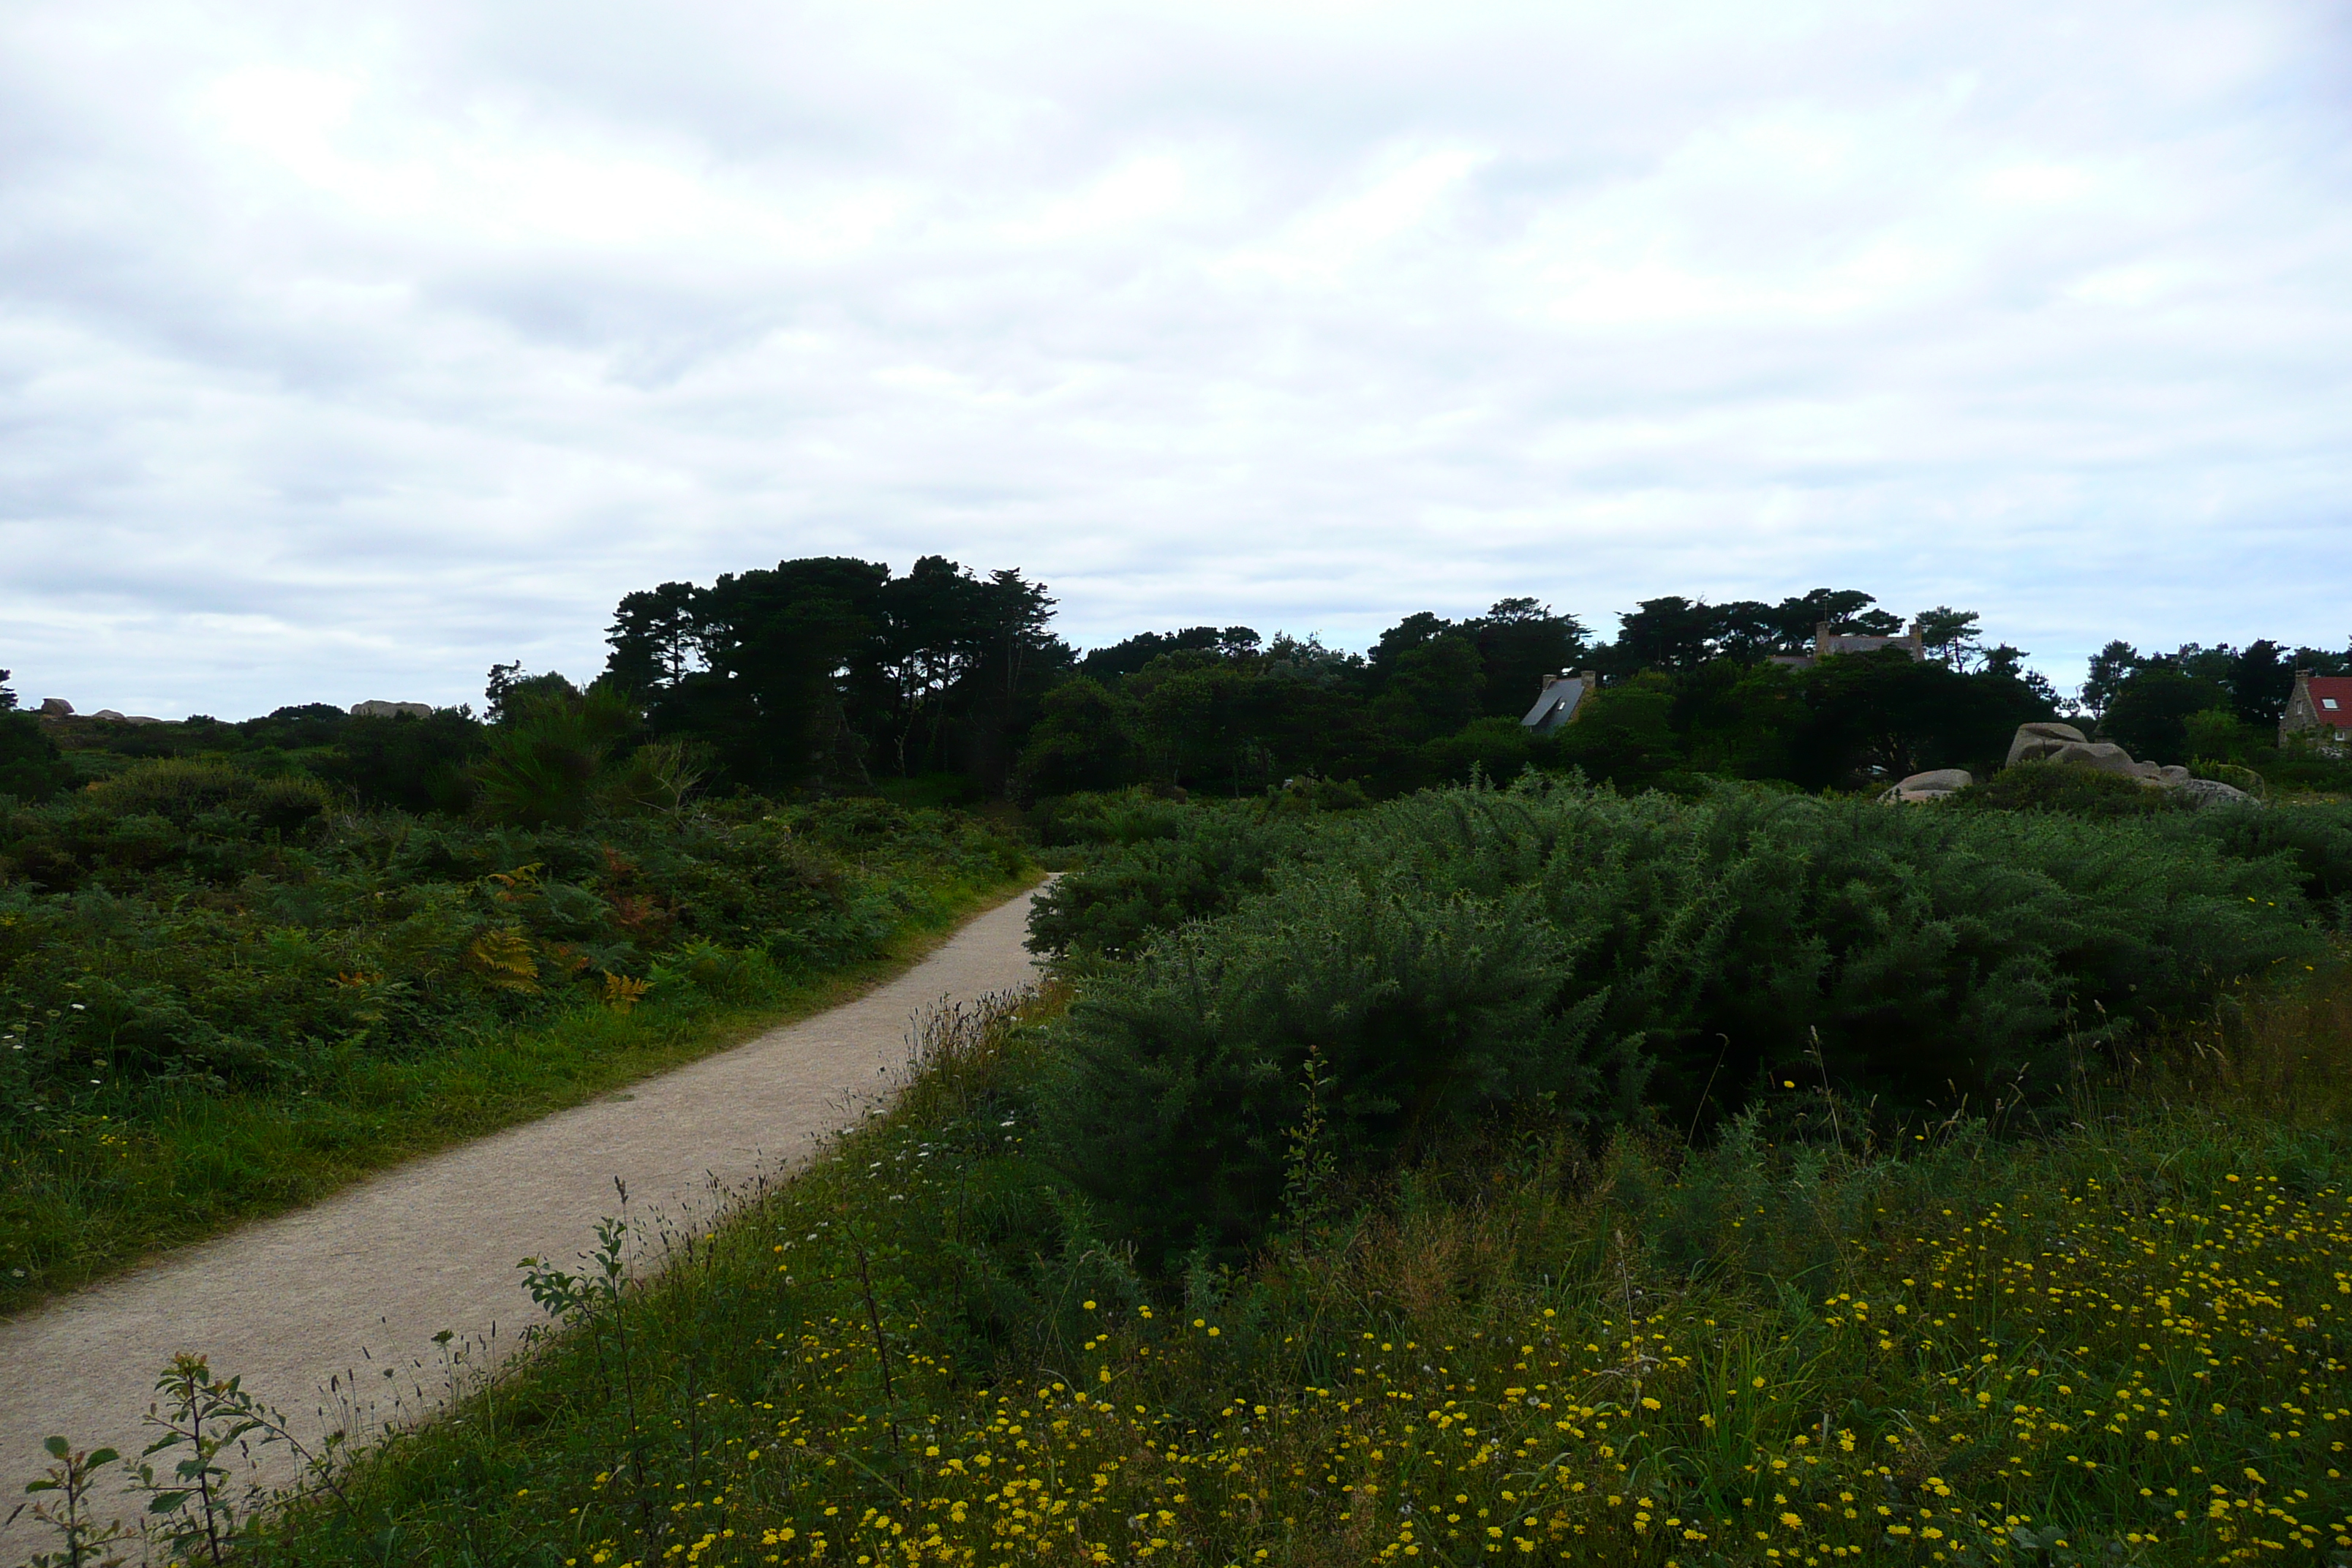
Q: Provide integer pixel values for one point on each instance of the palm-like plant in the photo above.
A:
(556, 755)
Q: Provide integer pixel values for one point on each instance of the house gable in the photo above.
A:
(2321, 704)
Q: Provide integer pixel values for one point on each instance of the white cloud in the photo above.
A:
(343, 354)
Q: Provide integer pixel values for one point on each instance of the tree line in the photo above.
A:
(832, 675)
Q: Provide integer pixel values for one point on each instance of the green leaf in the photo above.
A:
(57, 1447)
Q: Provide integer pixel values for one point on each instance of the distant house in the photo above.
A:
(1827, 642)
(1562, 699)
(2320, 708)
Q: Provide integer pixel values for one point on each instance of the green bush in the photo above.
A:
(2070, 790)
(1909, 957)
(2316, 840)
(406, 763)
(31, 766)
(1341, 1023)
(1170, 864)
(552, 757)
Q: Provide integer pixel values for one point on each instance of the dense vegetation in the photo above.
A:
(1563, 951)
(2100, 1327)
(223, 992)
(1531, 1171)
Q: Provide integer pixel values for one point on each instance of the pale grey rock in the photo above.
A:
(2104, 756)
(2035, 743)
(2214, 792)
(2064, 744)
(376, 708)
(106, 713)
(55, 707)
(1936, 783)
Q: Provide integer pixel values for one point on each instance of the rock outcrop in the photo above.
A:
(376, 708)
(55, 707)
(2066, 745)
(2214, 792)
(2035, 743)
(1936, 783)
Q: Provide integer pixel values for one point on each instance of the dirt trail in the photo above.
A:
(364, 1280)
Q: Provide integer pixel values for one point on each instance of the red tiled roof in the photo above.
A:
(2337, 688)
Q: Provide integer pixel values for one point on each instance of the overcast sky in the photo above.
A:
(345, 350)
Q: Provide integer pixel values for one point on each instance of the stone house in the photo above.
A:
(1827, 642)
(1561, 700)
(2320, 708)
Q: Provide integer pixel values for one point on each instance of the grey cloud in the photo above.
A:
(1301, 319)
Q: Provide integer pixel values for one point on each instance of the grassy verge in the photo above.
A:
(155, 1167)
(2117, 1336)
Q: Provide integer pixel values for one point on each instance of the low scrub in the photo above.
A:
(219, 994)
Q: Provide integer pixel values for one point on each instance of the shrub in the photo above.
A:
(1917, 955)
(1206, 859)
(2070, 790)
(411, 763)
(1347, 1022)
(2316, 840)
(550, 753)
(31, 766)
(210, 797)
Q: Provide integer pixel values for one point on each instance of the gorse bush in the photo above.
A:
(2316, 840)
(1168, 864)
(1379, 1013)
(212, 798)
(2071, 791)
(1911, 958)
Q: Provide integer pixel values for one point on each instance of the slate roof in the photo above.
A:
(1556, 706)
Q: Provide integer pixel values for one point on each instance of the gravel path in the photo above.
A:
(361, 1282)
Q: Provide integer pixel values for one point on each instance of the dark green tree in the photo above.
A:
(1876, 717)
(1520, 643)
(2109, 669)
(1669, 632)
(655, 638)
(1950, 635)
(508, 686)
(1084, 739)
(2260, 679)
(31, 766)
(1131, 656)
(2148, 714)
